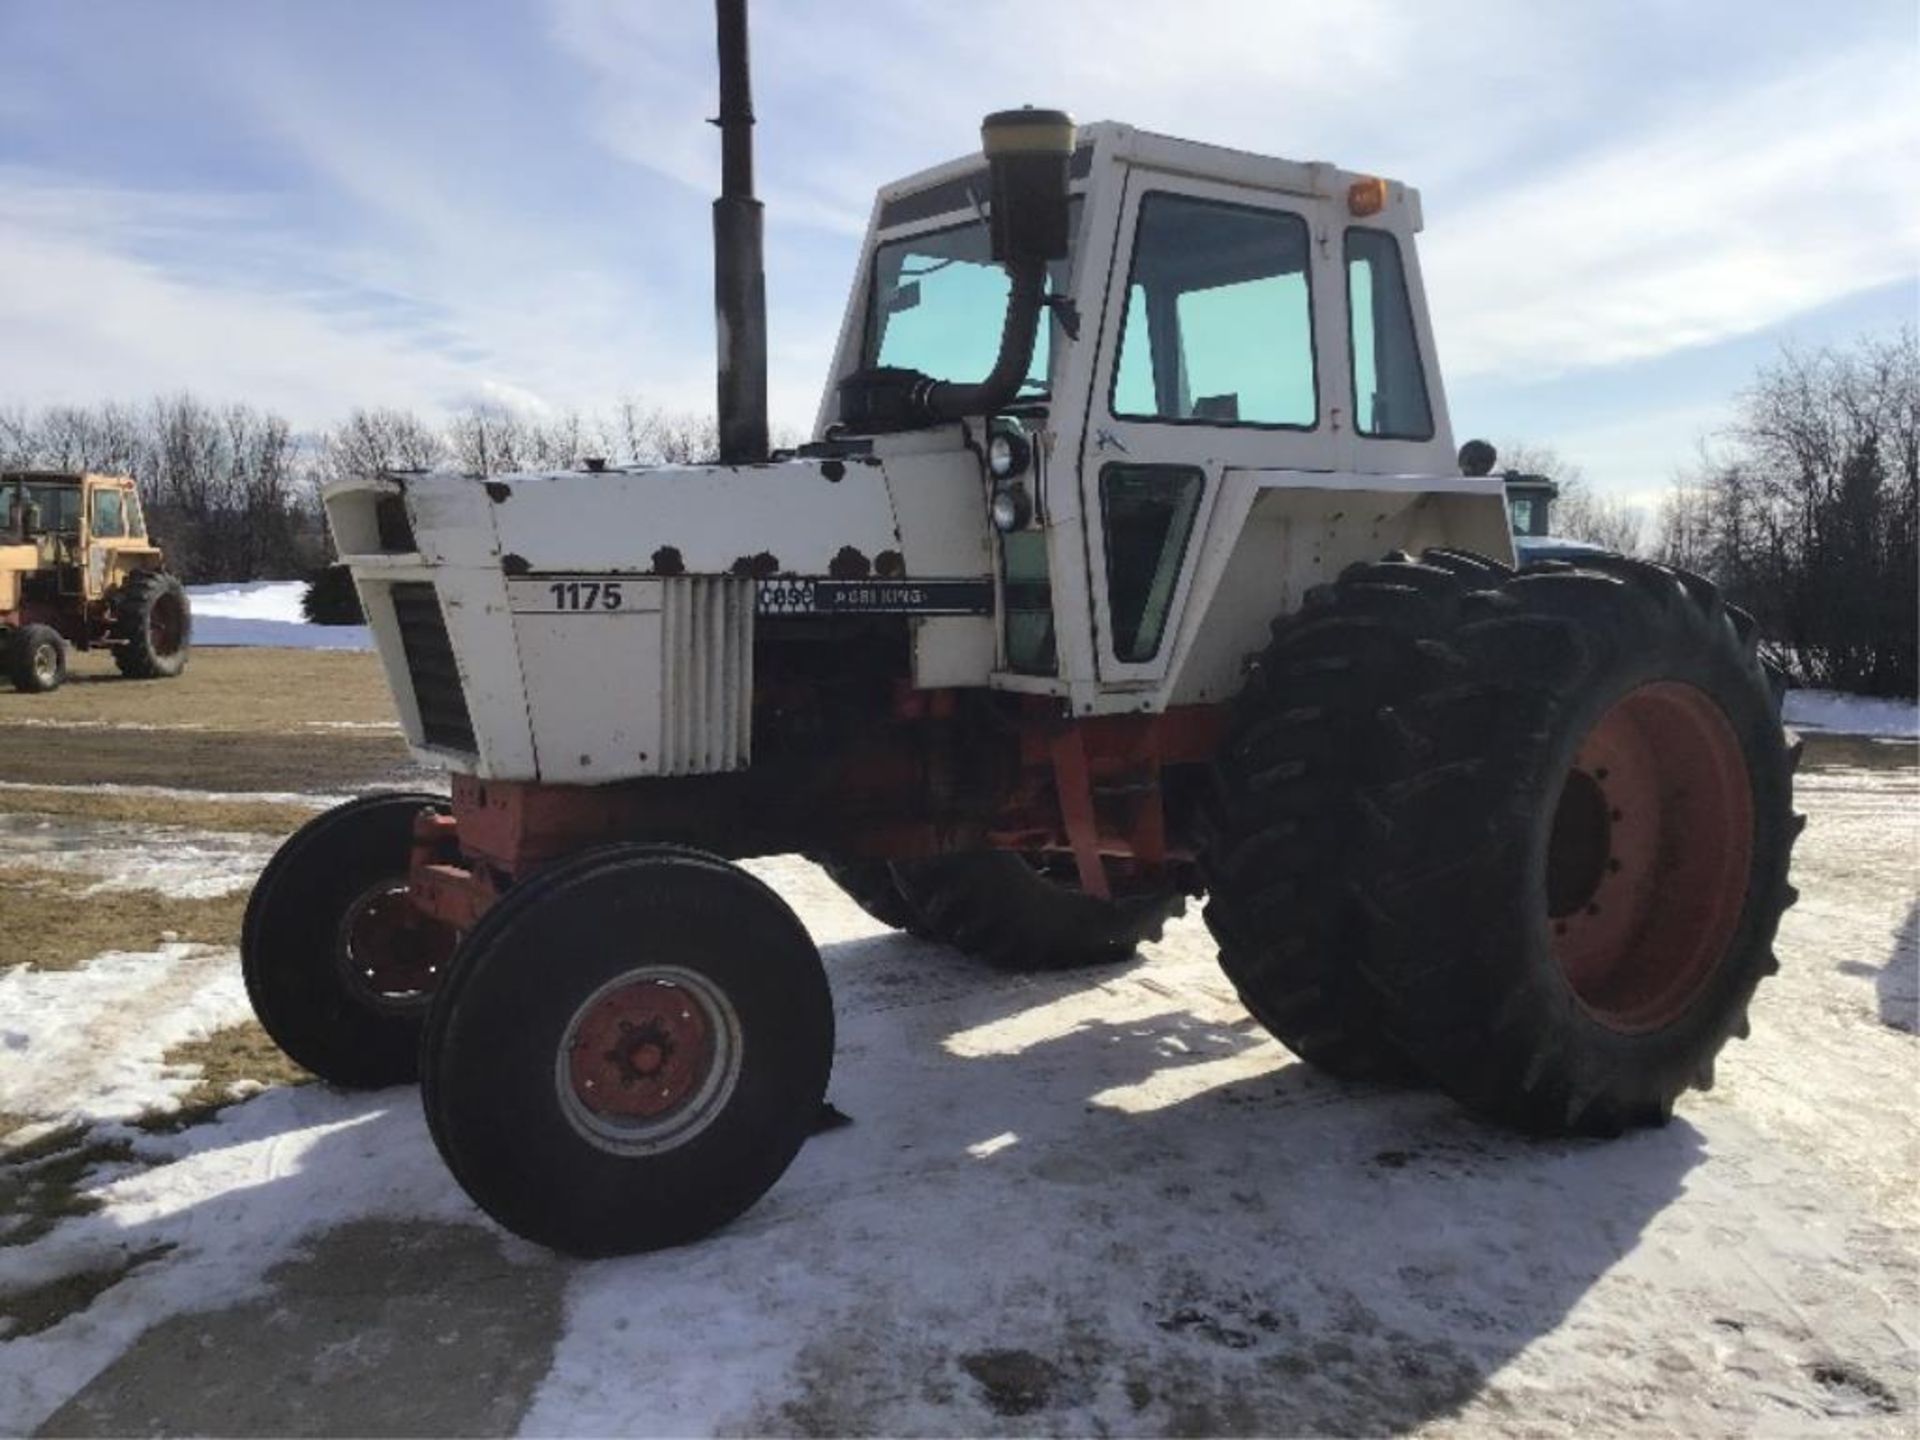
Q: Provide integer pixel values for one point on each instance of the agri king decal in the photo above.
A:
(875, 597)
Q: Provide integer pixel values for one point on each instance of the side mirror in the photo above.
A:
(1029, 156)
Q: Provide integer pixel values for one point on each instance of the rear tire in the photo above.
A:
(37, 659)
(1286, 826)
(307, 945)
(1001, 908)
(1574, 881)
(871, 885)
(631, 1049)
(153, 624)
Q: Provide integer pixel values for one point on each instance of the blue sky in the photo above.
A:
(314, 206)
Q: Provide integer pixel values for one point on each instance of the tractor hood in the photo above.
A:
(598, 625)
(919, 514)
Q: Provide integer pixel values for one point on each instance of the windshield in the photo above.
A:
(58, 508)
(938, 301)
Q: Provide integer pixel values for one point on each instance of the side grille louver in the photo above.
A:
(707, 709)
(430, 664)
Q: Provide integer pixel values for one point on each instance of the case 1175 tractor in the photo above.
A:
(1130, 561)
(77, 569)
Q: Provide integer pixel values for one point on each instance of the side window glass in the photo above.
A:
(1389, 387)
(1219, 322)
(1027, 590)
(136, 522)
(109, 518)
(1148, 511)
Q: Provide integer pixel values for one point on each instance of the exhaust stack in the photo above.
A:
(739, 272)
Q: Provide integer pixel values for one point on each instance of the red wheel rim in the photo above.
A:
(392, 955)
(1649, 856)
(166, 624)
(649, 1060)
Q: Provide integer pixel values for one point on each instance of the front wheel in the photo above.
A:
(630, 1051)
(338, 964)
(37, 659)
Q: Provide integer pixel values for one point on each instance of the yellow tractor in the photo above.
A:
(77, 569)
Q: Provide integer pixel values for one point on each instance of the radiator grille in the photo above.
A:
(707, 710)
(430, 665)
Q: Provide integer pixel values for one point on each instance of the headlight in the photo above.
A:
(1011, 508)
(1008, 452)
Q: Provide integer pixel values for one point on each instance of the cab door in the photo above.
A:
(1209, 361)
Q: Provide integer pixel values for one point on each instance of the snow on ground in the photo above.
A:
(1842, 714)
(190, 864)
(265, 612)
(87, 1044)
(1100, 1201)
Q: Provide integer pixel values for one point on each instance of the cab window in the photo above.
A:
(136, 522)
(1389, 388)
(1219, 322)
(109, 520)
(1148, 511)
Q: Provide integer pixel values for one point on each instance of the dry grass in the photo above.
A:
(52, 924)
(238, 1054)
(236, 720)
(258, 690)
(259, 817)
(42, 1183)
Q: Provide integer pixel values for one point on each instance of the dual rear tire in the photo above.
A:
(1523, 836)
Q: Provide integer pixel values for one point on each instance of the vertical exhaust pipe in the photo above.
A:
(739, 273)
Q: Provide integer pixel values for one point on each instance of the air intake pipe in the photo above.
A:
(1029, 159)
(1029, 154)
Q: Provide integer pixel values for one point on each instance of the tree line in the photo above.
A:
(1808, 510)
(232, 492)
(1804, 509)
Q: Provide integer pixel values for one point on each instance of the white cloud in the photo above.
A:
(1718, 222)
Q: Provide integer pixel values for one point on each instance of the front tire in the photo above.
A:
(631, 1049)
(337, 965)
(153, 625)
(37, 659)
(1575, 880)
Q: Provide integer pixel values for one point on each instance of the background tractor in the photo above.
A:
(77, 569)
(1129, 561)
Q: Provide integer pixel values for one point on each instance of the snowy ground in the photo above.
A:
(265, 612)
(1100, 1202)
(1832, 712)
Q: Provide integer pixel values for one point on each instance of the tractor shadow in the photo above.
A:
(1896, 981)
(1065, 1203)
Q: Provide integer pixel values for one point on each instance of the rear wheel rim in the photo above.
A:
(649, 1060)
(1649, 856)
(166, 625)
(46, 662)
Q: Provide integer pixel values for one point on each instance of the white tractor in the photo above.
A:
(1130, 561)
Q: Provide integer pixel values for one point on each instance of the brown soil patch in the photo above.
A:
(260, 817)
(203, 759)
(55, 925)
